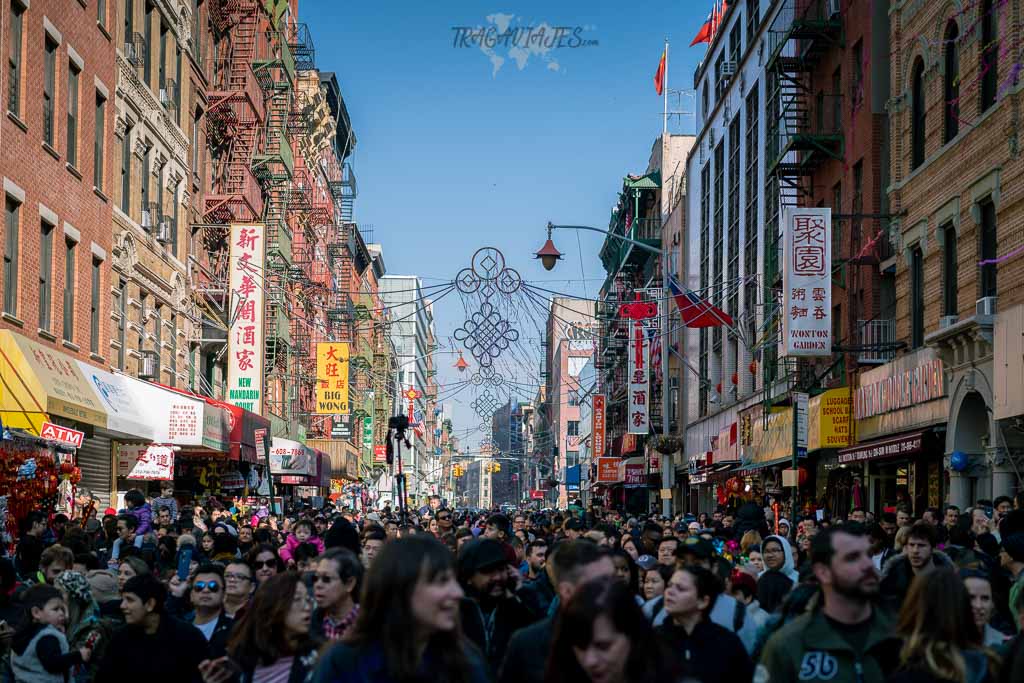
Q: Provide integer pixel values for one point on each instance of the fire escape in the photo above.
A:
(804, 130)
(273, 165)
(234, 117)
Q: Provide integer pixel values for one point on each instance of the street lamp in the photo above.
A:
(549, 255)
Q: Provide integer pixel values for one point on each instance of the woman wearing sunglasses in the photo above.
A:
(336, 585)
(265, 563)
(408, 624)
(271, 642)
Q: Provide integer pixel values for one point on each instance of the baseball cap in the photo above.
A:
(646, 562)
(481, 554)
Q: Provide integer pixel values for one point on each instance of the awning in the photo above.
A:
(243, 426)
(769, 463)
(38, 383)
(902, 445)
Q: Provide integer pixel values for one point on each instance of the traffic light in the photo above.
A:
(497, 467)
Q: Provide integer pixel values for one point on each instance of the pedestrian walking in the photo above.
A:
(336, 587)
(408, 624)
(602, 636)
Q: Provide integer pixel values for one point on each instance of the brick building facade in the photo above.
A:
(58, 96)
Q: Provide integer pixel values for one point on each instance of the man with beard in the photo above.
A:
(489, 613)
(919, 555)
(846, 638)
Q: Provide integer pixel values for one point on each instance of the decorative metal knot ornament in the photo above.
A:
(484, 405)
(486, 334)
(488, 275)
(489, 376)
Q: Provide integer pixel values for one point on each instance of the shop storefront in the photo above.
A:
(900, 411)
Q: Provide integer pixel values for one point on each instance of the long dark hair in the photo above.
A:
(259, 638)
(385, 614)
(937, 625)
(574, 627)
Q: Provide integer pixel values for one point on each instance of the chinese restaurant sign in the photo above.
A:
(142, 461)
(807, 282)
(245, 339)
(639, 386)
(332, 378)
(597, 422)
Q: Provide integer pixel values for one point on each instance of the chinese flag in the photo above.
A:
(659, 76)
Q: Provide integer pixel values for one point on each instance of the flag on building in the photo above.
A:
(659, 76)
(695, 311)
(705, 33)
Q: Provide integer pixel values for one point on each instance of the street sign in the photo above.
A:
(800, 407)
(536, 494)
(66, 435)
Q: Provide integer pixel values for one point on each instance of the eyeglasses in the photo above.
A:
(260, 564)
(211, 586)
(323, 578)
(237, 577)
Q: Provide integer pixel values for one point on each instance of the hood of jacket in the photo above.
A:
(900, 564)
(788, 567)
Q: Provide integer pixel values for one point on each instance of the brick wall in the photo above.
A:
(41, 177)
(982, 161)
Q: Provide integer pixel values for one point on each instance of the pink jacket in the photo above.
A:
(291, 543)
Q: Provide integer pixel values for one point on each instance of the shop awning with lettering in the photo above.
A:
(903, 445)
(38, 384)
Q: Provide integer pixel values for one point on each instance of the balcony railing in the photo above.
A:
(169, 94)
(877, 340)
(135, 49)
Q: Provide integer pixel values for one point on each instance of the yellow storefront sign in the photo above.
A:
(37, 382)
(771, 437)
(332, 378)
(829, 419)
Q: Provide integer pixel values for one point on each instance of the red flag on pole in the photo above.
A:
(705, 33)
(659, 76)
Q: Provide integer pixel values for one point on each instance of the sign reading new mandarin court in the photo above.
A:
(807, 281)
(332, 378)
(245, 338)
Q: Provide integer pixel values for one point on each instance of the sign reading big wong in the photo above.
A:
(245, 338)
(807, 281)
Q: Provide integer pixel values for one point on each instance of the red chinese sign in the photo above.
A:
(245, 338)
(597, 426)
(608, 470)
(807, 282)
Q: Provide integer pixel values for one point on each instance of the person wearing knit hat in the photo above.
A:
(84, 627)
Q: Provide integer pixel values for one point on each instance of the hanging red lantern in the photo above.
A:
(734, 485)
(718, 387)
(802, 475)
(735, 379)
(753, 367)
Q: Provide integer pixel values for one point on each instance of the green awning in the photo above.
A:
(769, 463)
(651, 181)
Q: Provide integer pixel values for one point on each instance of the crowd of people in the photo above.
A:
(214, 593)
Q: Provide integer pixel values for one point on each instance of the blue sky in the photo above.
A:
(452, 157)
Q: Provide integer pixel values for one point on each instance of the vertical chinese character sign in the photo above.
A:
(245, 338)
(639, 385)
(597, 425)
(807, 282)
(332, 378)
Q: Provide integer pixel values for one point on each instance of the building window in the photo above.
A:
(122, 322)
(989, 54)
(750, 196)
(753, 19)
(94, 308)
(158, 324)
(837, 109)
(14, 58)
(704, 104)
(161, 67)
(101, 13)
(147, 217)
(45, 275)
(916, 298)
(572, 428)
(988, 248)
(857, 86)
(917, 123)
(98, 141)
(126, 171)
(129, 21)
(49, 81)
(837, 208)
(574, 399)
(197, 33)
(69, 290)
(733, 239)
(951, 84)
(142, 320)
(572, 458)
(174, 219)
(147, 50)
(949, 306)
(196, 147)
(12, 210)
(72, 151)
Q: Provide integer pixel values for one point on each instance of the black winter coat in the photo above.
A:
(711, 654)
(509, 616)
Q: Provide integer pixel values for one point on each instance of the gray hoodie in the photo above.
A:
(788, 567)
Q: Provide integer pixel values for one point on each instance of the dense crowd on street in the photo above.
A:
(216, 593)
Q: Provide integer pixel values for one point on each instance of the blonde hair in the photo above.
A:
(748, 540)
(901, 538)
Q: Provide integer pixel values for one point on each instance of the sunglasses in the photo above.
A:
(323, 578)
(211, 586)
(259, 564)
